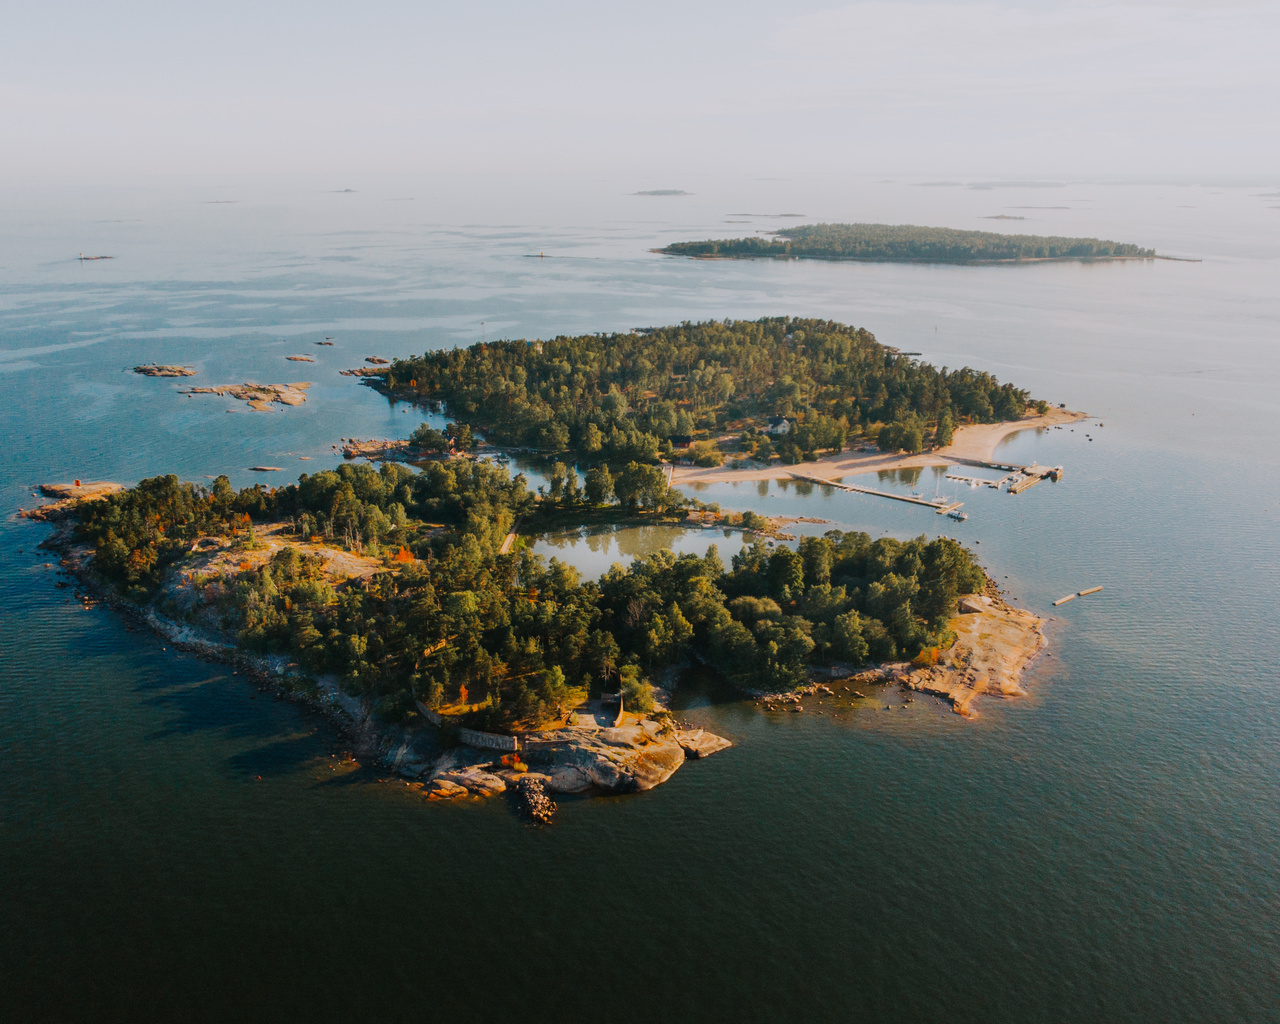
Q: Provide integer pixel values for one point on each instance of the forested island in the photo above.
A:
(388, 598)
(426, 609)
(780, 385)
(401, 600)
(907, 243)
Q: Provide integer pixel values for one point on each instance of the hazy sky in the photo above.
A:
(943, 87)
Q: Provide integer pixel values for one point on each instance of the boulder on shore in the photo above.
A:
(626, 759)
(476, 781)
(443, 789)
(567, 778)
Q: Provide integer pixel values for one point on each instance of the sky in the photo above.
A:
(940, 87)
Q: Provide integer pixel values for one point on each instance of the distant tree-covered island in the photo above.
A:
(780, 386)
(907, 243)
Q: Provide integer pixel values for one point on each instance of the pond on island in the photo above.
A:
(591, 550)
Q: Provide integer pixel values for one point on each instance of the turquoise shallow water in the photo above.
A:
(174, 847)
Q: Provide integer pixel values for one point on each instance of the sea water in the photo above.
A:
(175, 844)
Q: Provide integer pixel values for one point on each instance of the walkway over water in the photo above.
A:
(941, 506)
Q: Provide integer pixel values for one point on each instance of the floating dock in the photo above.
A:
(976, 481)
(1019, 478)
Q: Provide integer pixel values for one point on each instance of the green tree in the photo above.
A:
(599, 485)
(847, 642)
(641, 486)
(786, 574)
(946, 428)
(429, 439)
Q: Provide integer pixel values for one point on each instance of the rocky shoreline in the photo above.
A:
(66, 498)
(588, 753)
(633, 756)
(995, 644)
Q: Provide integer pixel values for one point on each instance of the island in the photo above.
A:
(259, 397)
(907, 243)
(402, 601)
(164, 370)
(783, 387)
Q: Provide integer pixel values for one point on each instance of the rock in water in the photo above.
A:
(624, 767)
(700, 743)
(161, 370)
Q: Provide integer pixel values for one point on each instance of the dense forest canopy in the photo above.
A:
(511, 638)
(907, 243)
(618, 398)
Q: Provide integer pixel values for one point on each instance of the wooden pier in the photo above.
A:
(941, 507)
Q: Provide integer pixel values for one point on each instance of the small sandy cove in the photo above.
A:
(977, 441)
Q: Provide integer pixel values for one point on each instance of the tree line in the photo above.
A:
(509, 639)
(906, 243)
(631, 397)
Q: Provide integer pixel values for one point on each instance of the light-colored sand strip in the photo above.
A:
(976, 441)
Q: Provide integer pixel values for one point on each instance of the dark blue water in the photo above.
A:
(176, 846)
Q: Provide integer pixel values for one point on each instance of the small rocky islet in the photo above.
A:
(164, 370)
(259, 397)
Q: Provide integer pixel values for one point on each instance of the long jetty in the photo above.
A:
(942, 506)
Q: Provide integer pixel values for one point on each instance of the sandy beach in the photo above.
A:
(976, 441)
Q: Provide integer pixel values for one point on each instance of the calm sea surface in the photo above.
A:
(174, 846)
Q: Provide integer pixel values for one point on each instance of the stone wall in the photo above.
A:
(488, 740)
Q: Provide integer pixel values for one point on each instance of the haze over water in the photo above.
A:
(175, 846)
